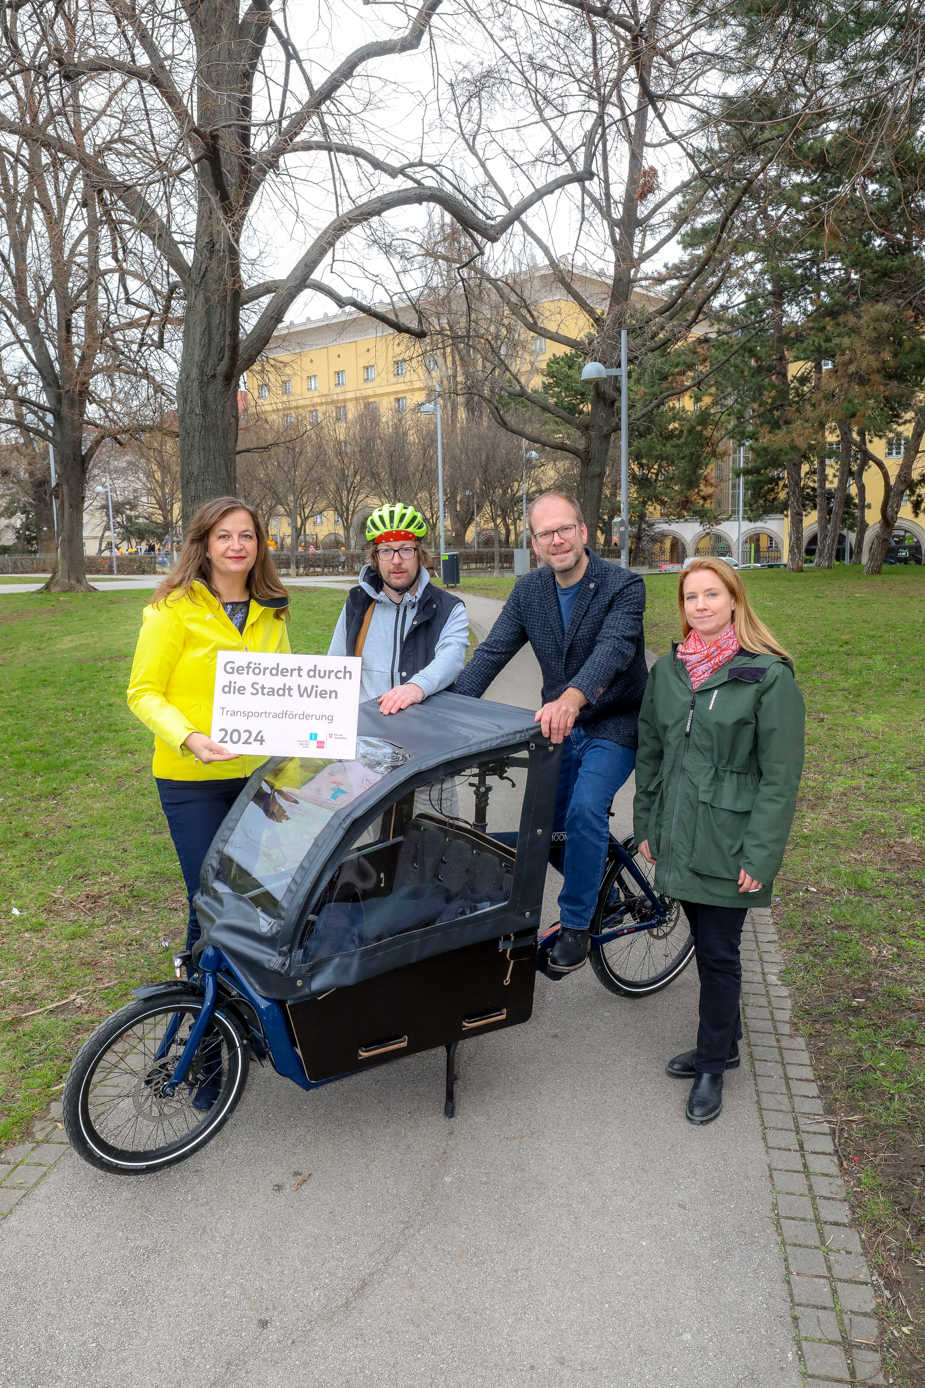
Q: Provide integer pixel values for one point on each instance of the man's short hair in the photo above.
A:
(561, 496)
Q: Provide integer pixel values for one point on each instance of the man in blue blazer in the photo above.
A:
(583, 618)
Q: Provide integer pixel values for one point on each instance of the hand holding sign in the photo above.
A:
(286, 705)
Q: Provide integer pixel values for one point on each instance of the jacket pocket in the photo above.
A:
(724, 808)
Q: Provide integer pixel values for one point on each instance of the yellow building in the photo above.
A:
(330, 366)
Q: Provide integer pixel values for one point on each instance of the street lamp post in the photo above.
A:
(112, 529)
(531, 457)
(596, 371)
(741, 500)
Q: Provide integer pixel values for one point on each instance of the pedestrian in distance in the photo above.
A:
(412, 636)
(583, 619)
(717, 774)
(223, 594)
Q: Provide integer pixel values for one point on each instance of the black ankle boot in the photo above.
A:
(682, 1066)
(571, 950)
(706, 1099)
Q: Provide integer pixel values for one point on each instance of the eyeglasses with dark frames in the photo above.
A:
(404, 551)
(565, 532)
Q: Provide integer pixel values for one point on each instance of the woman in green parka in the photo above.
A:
(717, 774)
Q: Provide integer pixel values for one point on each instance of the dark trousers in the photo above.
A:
(195, 810)
(717, 932)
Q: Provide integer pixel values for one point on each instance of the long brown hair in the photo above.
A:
(194, 564)
(751, 632)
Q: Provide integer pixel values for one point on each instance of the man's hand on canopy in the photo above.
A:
(558, 717)
(402, 696)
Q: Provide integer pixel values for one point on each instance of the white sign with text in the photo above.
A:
(287, 705)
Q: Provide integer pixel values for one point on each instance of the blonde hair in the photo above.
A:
(751, 632)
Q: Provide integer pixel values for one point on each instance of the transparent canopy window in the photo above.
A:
(288, 811)
(436, 854)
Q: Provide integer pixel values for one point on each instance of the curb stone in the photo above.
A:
(25, 1165)
(830, 1283)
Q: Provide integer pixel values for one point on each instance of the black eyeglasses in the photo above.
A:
(404, 552)
(565, 532)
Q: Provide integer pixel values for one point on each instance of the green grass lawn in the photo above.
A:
(89, 882)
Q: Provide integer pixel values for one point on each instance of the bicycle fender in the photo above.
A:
(151, 990)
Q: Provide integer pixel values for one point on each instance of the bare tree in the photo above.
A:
(73, 358)
(673, 114)
(221, 115)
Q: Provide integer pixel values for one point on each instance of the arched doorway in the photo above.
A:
(715, 543)
(761, 547)
(905, 548)
(668, 549)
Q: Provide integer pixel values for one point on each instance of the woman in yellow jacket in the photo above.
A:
(223, 595)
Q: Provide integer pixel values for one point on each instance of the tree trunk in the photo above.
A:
(70, 572)
(822, 505)
(294, 539)
(893, 498)
(497, 540)
(860, 535)
(795, 508)
(825, 552)
(593, 466)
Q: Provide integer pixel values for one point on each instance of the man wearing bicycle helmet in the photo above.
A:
(411, 635)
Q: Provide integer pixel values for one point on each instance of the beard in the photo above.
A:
(564, 563)
(401, 585)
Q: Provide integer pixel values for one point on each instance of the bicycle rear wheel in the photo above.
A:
(646, 961)
(115, 1112)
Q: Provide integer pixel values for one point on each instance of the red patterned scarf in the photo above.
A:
(702, 660)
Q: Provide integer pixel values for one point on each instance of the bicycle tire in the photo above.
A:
(103, 1111)
(644, 962)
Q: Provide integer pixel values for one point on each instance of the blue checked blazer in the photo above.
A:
(602, 653)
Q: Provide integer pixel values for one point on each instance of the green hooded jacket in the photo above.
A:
(717, 775)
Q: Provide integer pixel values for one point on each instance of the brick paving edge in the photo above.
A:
(832, 1299)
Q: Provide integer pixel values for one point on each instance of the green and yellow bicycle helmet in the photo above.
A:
(395, 521)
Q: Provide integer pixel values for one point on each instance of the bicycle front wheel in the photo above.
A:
(115, 1112)
(646, 961)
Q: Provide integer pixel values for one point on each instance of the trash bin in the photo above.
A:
(521, 562)
(449, 569)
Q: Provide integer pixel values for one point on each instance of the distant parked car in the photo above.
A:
(670, 568)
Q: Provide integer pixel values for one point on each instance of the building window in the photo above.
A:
(432, 363)
(401, 404)
(502, 350)
(287, 387)
(313, 382)
(539, 344)
(263, 392)
(314, 418)
(369, 373)
(287, 420)
(337, 519)
(343, 449)
(319, 519)
(341, 413)
(400, 368)
(372, 407)
(895, 446)
(340, 378)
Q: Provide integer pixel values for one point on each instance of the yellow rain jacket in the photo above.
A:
(173, 675)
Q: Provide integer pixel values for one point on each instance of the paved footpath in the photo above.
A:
(567, 1227)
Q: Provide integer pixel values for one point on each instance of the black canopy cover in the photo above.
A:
(296, 819)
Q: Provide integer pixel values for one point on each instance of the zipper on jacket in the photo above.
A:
(677, 798)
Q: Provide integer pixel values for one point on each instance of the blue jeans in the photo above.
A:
(593, 770)
(195, 810)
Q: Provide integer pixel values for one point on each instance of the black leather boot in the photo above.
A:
(706, 1099)
(682, 1066)
(570, 951)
